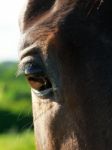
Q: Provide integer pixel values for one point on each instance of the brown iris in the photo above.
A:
(38, 83)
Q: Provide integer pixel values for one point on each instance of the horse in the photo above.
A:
(66, 56)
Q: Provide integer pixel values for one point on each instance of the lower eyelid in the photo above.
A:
(42, 93)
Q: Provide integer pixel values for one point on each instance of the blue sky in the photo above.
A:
(9, 30)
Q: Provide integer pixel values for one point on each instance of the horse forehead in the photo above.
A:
(40, 24)
(38, 10)
(26, 12)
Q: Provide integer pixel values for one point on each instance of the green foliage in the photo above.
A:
(21, 141)
(17, 122)
(15, 110)
(14, 91)
(15, 99)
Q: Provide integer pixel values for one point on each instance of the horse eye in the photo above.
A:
(39, 83)
(37, 77)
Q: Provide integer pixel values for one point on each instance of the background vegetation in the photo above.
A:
(16, 128)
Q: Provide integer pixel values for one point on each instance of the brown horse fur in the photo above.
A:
(74, 40)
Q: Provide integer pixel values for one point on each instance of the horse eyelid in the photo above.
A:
(21, 68)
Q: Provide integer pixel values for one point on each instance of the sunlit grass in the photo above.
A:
(15, 141)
